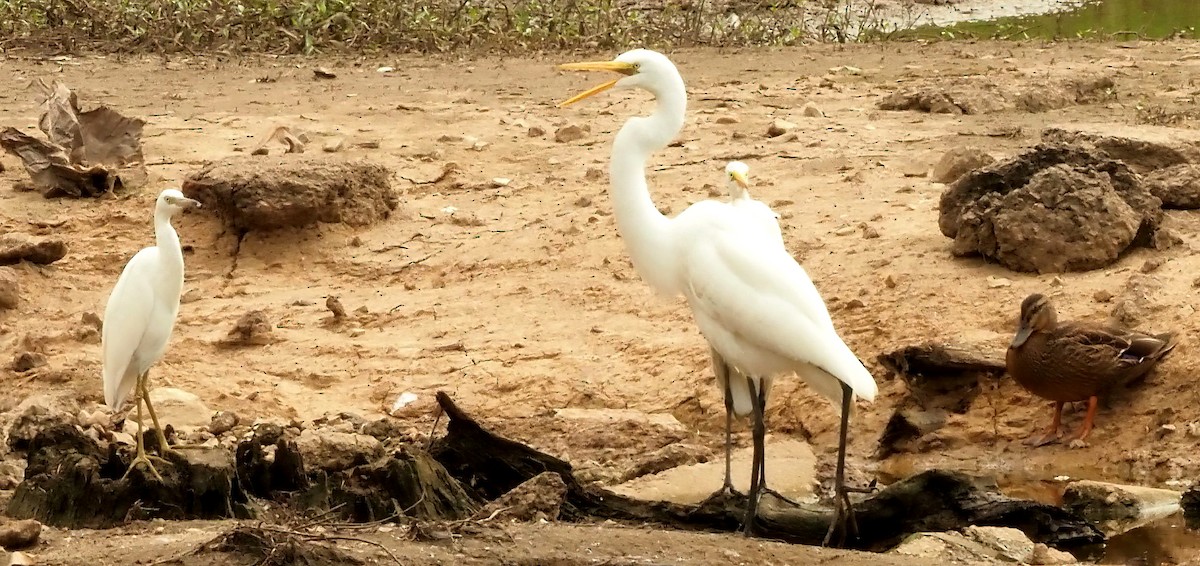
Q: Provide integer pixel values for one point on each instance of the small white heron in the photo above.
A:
(753, 302)
(140, 317)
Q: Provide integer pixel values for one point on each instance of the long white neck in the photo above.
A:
(644, 229)
(170, 254)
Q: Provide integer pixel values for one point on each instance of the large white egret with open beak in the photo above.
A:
(140, 317)
(754, 304)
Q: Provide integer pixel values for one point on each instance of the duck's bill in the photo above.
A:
(613, 66)
(1022, 335)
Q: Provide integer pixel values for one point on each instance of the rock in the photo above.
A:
(11, 473)
(1103, 296)
(727, 120)
(538, 498)
(944, 548)
(1151, 265)
(958, 162)
(868, 232)
(536, 131)
(10, 288)
(670, 456)
(15, 248)
(779, 127)
(252, 329)
(335, 306)
(20, 559)
(1008, 543)
(1044, 555)
(25, 361)
(812, 111)
(179, 408)
(335, 451)
(1053, 209)
(568, 134)
(293, 191)
(1145, 149)
(334, 145)
(1115, 508)
(223, 422)
(16, 535)
(975, 545)
(36, 413)
(1177, 186)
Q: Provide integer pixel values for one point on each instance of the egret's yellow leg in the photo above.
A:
(162, 437)
(141, 457)
(163, 447)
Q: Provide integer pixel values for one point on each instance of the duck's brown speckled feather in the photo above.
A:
(1075, 361)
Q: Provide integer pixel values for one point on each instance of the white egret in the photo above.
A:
(140, 317)
(753, 302)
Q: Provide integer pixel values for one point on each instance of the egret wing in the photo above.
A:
(756, 292)
(126, 318)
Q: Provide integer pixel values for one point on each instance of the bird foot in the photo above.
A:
(843, 522)
(779, 496)
(1043, 439)
(725, 491)
(147, 460)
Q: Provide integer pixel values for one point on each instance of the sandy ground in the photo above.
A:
(523, 300)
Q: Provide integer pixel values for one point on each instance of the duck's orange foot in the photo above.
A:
(1043, 439)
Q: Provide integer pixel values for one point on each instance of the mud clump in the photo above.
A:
(539, 498)
(292, 191)
(981, 96)
(1053, 209)
(15, 248)
(1177, 186)
(275, 547)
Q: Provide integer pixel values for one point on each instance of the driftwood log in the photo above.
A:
(72, 483)
(929, 501)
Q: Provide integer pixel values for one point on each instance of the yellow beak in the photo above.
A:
(741, 180)
(614, 66)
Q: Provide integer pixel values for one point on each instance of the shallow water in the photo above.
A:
(1119, 19)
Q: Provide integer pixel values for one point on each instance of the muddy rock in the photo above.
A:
(180, 409)
(252, 329)
(223, 422)
(669, 456)
(15, 248)
(779, 127)
(335, 451)
(1094, 207)
(1044, 555)
(34, 414)
(1145, 149)
(973, 545)
(15, 535)
(293, 191)
(568, 134)
(10, 288)
(25, 361)
(1177, 186)
(539, 498)
(1115, 508)
(958, 162)
(12, 471)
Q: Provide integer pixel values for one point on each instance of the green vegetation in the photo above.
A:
(1104, 19)
(308, 26)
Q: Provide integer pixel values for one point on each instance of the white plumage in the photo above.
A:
(140, 315)
(753, 302)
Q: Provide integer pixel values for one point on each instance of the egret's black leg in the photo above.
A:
(843, 518)
(759, 432)
(762, 468)
(723, 372)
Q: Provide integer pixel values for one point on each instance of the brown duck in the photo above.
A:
(1076, 361)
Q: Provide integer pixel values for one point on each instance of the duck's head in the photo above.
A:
(1037, 314)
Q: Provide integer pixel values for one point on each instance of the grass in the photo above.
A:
(310, 26)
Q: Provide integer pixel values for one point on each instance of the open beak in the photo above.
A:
(741, 180)
(1023, 333)
(614, 66)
